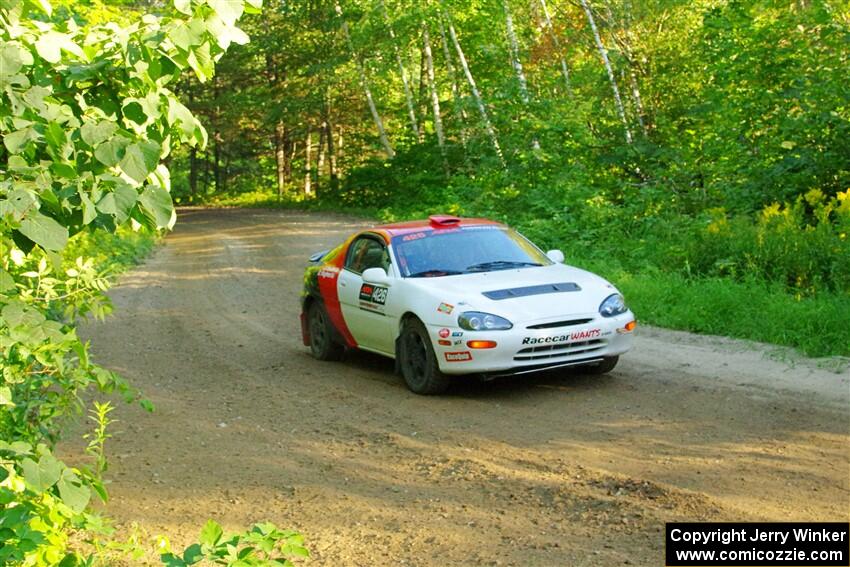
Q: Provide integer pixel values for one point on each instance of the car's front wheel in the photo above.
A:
(607, 365)
(418, 361)
(323, 345)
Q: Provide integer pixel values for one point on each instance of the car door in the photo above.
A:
(364, 305)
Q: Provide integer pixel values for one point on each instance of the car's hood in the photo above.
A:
(466, 292)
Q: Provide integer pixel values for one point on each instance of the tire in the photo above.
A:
(417, 361)
(323, 344)
(604, 367)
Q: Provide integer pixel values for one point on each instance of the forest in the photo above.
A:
(696, 151)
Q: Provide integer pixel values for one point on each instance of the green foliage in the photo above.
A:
(87, 116)
(262, 545)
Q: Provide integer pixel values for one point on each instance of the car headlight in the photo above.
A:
(477, 321)
(613, 305)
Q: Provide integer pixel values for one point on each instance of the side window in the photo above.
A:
(367, 253)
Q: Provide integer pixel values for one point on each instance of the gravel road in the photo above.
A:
(553, 469)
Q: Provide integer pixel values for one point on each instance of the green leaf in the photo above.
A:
(72, 491)
(118, 203)
(94, 133)
(110, 153)
(7, 282)
(50, 45)
(228, 10)
(42, 475)
(211, 533)
(157, 202)
(193, 554)
(201, 62)
(44, 231)
(89, 209)
(12, 58)
(183, 6)
(6, 397)
(15, 141)
(140, 159)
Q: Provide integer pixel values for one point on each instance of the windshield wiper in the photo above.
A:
(499, 265)
(434, 273)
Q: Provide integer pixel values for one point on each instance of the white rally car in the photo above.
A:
(448, 296)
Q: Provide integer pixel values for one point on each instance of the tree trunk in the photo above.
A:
(638, 103)
(329, 137)
(385, 141)
(340, 150)
(474, 88)
(308, 178)
(280, 156)
(193, 172)
(564, 69)
(604, 54)
(435, 97)
(450, 69)
(291, 160)
(411, 110)
(320, 157)
(514, 51)
(516, 63)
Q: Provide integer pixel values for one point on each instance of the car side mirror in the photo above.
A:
(556, 256)
(376, 276)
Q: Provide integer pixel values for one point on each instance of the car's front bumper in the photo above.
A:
(522, 349)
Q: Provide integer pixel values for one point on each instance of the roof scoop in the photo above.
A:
(443, 221)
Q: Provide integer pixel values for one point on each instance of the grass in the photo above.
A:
(817, 325)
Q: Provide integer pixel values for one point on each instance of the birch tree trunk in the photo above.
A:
(329, 140)
(280, 156)
(604, 54)
(411, 109)
(474, 88)
(450, 69)
(516, 63)
(514, 51)
(435, 97)
(329, 137)
(638, 103)
(564, 69)
(320, 159)
(308, 178)
(382, 133)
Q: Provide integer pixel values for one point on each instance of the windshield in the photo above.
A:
(435, 253)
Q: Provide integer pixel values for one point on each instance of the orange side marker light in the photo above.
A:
(481, 344)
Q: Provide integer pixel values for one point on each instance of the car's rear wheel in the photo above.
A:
(607, 365)
(323, 345)
(418, 362)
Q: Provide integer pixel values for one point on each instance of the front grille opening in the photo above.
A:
(556, 324)
(555, 351)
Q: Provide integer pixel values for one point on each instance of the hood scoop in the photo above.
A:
(499, 294)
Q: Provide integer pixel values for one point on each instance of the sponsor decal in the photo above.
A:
(574, 336)
(445, 342)
(457, 333)
(465, 356)
(443, 333)
(445, 308)
(458, 342)
(328, 272)
(373, 294)
(414, 236)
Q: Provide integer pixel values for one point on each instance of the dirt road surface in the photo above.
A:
(554, 469)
